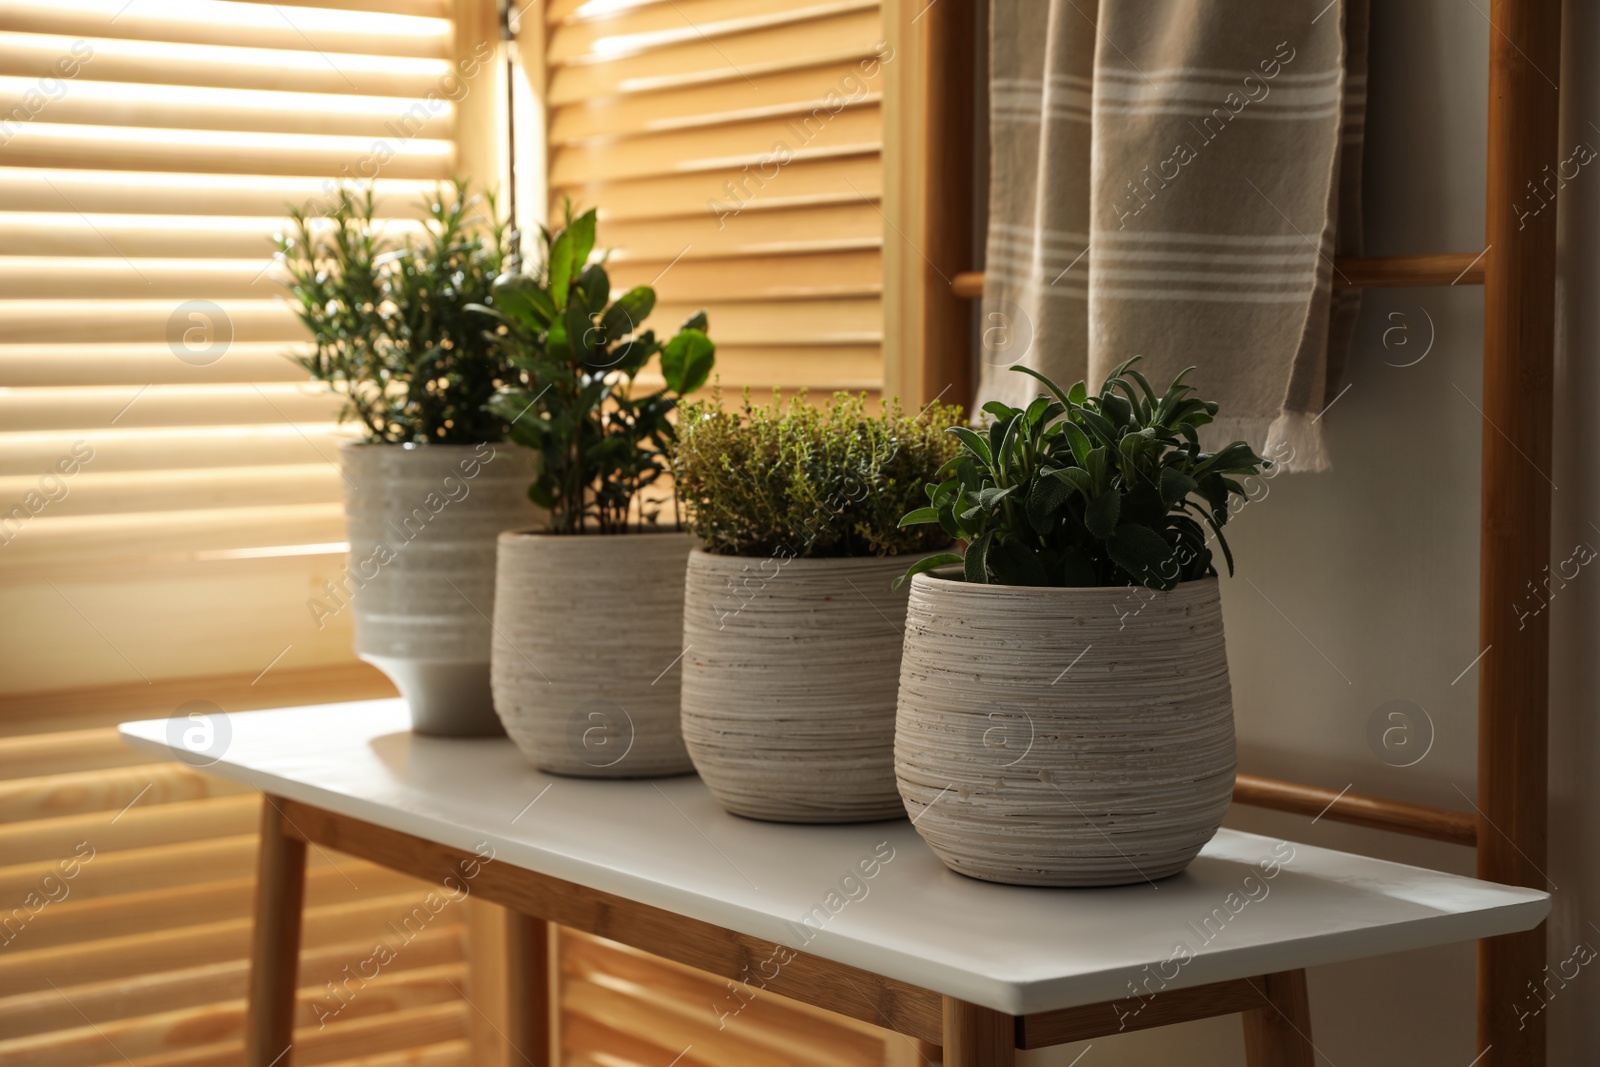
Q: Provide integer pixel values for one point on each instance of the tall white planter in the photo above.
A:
(789, 684)
(422, 522)
(586, 651)
(1064, 737)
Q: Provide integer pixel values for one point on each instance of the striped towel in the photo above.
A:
(1172, 179)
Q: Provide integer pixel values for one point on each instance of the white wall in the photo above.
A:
(1375, 565)
(1575, 616)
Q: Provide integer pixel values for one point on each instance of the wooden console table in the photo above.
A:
(862, 920)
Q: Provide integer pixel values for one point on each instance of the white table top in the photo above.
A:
(1017, 950)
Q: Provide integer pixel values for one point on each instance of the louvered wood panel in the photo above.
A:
(734, 153)
(151, 150)
(625, 1008)
(130, 884)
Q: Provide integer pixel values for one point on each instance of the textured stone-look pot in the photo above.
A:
(422, 522)
(1064, 737)
(789, 684)
(586, 651)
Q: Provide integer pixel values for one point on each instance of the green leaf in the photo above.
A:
(1096, 465)
(999, 438)
(1115, 373)
(1143, 554)
(581, 332)
(1014, 563)
(943, 559)
(1045, 497)
(626, 317)
(975, 444)
(1000, 411)
(1144, 384)
(1227, 553)
(1142, 504)
(988, 498)
(686, 361)
(697, 321)
(976, 560)
(1215, 520)
(1176, 485)
(581, 231)
(1076, 478)
(1101, 514)
(1078, 441)
(1236, 458)
(595, 288)
(520, 298)
(1052, 386)
(561, 267)
(542, 494)
(556, 342)
(1036, 411)
(920, 515)
(630, 356)
(1117, 409)
(1129, 449)
(1101, 427)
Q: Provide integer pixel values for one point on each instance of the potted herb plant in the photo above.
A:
(791, 631)
(589, 607)
(432, 483)
(1065, 716)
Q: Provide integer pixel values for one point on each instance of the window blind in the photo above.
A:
(124, 935)
(169, 498)
(179, 503)
(733, 149)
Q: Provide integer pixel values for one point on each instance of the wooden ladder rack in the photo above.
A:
(1517, 270)
(1349, 272)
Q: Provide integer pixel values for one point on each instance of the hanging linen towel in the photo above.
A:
(1172, 179)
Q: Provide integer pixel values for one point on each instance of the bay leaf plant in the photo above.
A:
(803, 480)
(1079, 489)
(601, 438)
(388, 316)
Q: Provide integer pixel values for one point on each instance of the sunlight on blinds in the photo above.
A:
(733, 150)
(168, 491)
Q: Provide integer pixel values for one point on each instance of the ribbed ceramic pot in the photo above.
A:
(789, 684)
(1064, 737)
(422, 522)
(587, 652)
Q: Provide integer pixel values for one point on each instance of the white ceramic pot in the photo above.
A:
(422, 522)
(1064, 737)
(789, 683)
(587, 652)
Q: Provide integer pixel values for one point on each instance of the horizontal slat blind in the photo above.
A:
(148, 152)
(732, 148)
(623, 1008)
(124, 938)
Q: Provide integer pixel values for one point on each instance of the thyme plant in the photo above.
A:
(800, 480)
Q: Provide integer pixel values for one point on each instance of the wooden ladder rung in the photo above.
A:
(1419, 820)
(1349, 272)
(1375, 272)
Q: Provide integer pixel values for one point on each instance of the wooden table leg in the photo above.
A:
(275, 942)
(978, 1037)
(528, 992)
(1278, 1034)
